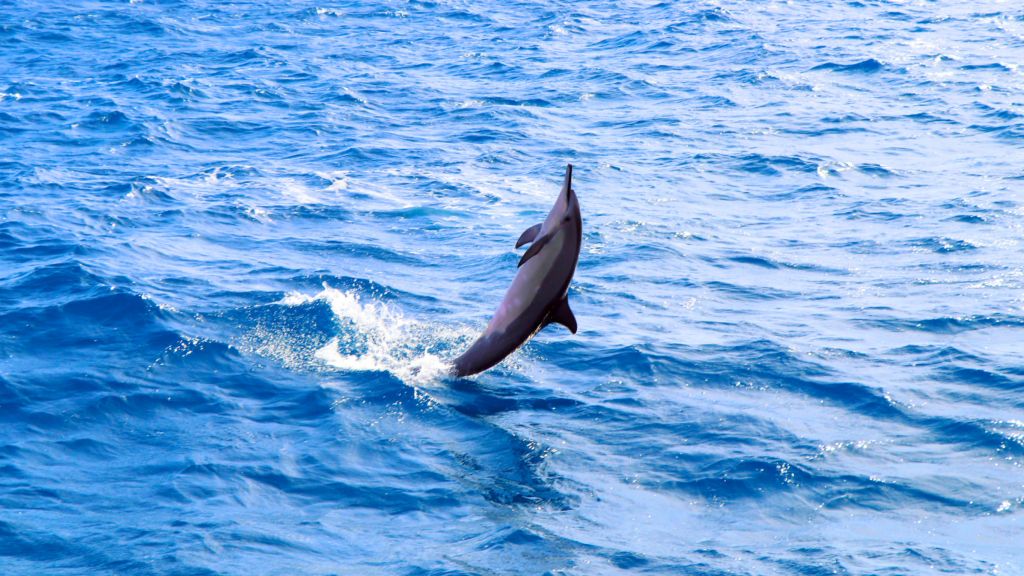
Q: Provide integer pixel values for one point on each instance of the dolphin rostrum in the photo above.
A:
(538, 295)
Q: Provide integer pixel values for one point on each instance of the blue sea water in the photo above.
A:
(239, 241)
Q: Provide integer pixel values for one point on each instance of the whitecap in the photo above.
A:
(376, 336)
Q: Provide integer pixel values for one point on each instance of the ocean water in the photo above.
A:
(239, 242)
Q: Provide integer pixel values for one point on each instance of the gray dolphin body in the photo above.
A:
(538, 294)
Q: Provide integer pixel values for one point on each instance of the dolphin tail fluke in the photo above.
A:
(562, 314)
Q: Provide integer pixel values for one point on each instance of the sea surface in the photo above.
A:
(240, 242)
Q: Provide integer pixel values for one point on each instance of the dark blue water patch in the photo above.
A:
(11, 397)
(637, 126)
(631, 40)
(732, 479)
(110, 121)
(977, 377)
(997, 129)
(9, 30)
(460, 15)
(947, 325)
(761, 164)
(346, 98)
(967, 219)
(812, 191)
(944, 245)
(936, 19)
(955, 268)
(1005, 115)
(8, 128)
(145, 87)
(490, 135)
(928, 118)
(503, 101)
(360, 250)
(477, 402)
(59, 402)
(21, 543)
(248, 55)
(23, 243)
(1013, 133)
(222, 127)
(753, 261)
(145, 27)
(880, 496)
(876, 170)
(937, 355)
(515, 476)
(868, 66)
(762, 364)
(99, 322)
(53, 282)
(715, 102)
(992, 66)
(753, 293)
(860, 214)
(896, 15)
(180, 92)
(999, 113)
(355, 154)
(309, 491)
(556, 73)
(934, 556)
(663, 46)
(88, 448)
(971, 435)
(195, 354)
(715, 15)
(296, 76)
(830, 131)
(830, 352)
(628, 560)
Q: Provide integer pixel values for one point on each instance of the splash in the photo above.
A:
(374, 336)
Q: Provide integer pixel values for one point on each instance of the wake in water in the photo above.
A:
(365, 336)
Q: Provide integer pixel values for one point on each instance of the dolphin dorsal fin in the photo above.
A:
(562, 314)
(529, 235)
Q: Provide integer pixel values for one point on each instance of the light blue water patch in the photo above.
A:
(239, 243)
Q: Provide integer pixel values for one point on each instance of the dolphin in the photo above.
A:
(538, 295)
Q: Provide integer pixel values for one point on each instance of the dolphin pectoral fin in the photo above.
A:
(535, 249)
(529, 235)
(562, 314)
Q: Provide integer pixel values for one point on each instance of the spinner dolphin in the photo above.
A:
(538, 295)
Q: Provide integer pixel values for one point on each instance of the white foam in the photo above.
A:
(377, 337)
(298, 192)
(337, 180)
